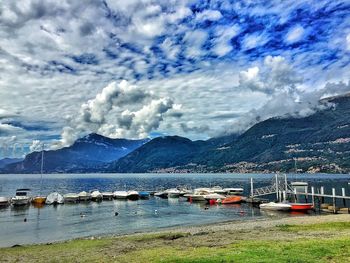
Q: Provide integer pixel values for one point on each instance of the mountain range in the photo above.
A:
(317, 143)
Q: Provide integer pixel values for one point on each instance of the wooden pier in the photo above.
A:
(284, 190)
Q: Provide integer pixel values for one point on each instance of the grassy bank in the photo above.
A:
(291, 240)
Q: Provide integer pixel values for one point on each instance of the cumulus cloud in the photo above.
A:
(120, 110)
(36, 146)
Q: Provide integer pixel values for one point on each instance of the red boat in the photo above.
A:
(301, 206)
(232, 200)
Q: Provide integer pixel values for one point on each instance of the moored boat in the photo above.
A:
(39, 200)
(54, 199)
(218, 190)
(276, 206)
(132, 195)
(4, 201)
(120, 194)
(107, 195)
(71, 198)
(144, 194)
(234, 191)
(21, 197)
(84, 196)
(301, 206)
(96, 195)
(232, 200)
(161, 194)
(214, 196)
(173, 193)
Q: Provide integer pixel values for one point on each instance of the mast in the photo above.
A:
(41, 168)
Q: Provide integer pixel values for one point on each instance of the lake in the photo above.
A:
(63, 222)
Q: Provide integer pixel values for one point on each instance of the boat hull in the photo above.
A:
(301, 207)
(20, 202)
(275, 207)
(39, 200)
(232, 200)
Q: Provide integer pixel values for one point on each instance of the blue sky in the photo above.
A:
(137, 68)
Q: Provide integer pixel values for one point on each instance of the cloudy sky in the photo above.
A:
(142, 68)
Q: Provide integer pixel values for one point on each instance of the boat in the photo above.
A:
(84, 196)
(214, 196)
(232, 200)
(120, 194)
(40, 200)
(276, 206)
(161, 194)
(4, 201)
(132, 195)
(301, 206)
(107, 195)
(198, 195)
(54, 199)
(144, 194)
(71, 198)
(96, 195)
(21, 197)
(218, 190)
(234, 191)
(173, 193)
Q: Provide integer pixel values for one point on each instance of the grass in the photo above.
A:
(283, 243)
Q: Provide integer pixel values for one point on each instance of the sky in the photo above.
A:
(137, 68)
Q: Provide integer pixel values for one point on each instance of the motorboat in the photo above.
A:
(21, 198)
(84, 196)
(234, 191)
(173, 193)
(144, 194)
(218, 190)
(301, 206)
(71, 198)
(214, 196)
(276, 206)
(107, 195)
(120, 194)
(132, 195)
(161, 194)
(4, 201)
(232, 200)
(54, 199)
(96, 195)
(198, 195)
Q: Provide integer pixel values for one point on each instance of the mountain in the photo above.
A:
(317, 143)
(87, 154)
(6, 161)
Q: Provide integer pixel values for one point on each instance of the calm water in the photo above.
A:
(53, 223)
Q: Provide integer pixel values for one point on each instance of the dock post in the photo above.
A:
(284, 195)
(276, 186)
(344, 200)
(313, 196)
(251, 187)
(295, 195)
(334, 202)
(322, 193)
(285, 183)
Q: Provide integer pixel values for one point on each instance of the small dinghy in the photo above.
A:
(276, 206)
(133, 195)
(21, 197)
(96, 196)
(71, 198)
(301, 206)
(107, 195)
(120, 194)
(84, 196)
(232, 200)
(54, 199)
(4, 201)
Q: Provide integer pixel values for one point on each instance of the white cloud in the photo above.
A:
(222, 45)
(211, 15)
(36, 146)
(295, 34)
(348, 41)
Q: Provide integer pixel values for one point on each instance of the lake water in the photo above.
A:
(63, 222)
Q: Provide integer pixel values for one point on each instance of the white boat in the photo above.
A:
(234, 191)
(71, 198)
(54, 199)
(214, 196)
(96, 195)
(276, 206)
(84, 196)
(161, 194)
(173, 193)
(218, 190)
(198, 195)
(133, 195)
(4, 201)
(120, 194)
(21, 197)
(107, 195)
